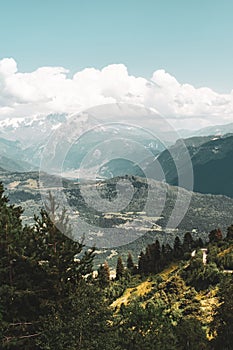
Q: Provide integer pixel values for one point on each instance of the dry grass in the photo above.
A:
(166, 273)
(131, 293)
(142, 289)
(226, 251)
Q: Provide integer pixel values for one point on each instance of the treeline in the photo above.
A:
(157, 257)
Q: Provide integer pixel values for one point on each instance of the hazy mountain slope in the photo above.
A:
(209, 130)
(212, 165)
(13, 157)
(13, 165)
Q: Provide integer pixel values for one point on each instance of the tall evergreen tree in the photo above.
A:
(104, 275)
(215, 235)
(188, 242)
(130, 263)
(155, 256)
(119, 268)
(178, 250)
(142, 263)
(230, 233)
(20, 291)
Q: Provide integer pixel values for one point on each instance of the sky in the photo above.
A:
(185, 40)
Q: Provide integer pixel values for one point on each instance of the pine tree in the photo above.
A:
(77, 304)
(168, 252)
(119, 268)
(199, 243)
(104, 275)
(142, 263)
(230, 233)
(148, 260)
(156, 257)
(130, 263)
(20, 291)
(45, 300)
(177, 251)
(215, 235)
(188, 242)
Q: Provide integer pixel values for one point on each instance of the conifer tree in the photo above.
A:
(168, 252)
(230, 233)
(142, 263)
(199, 243)
(22, 288)
(119, 268)
(156, 257)
(104, 275)
(130, 263)
(215, 235)
(188, 242)
(177, 251)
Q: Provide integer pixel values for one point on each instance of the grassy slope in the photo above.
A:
(208, 299)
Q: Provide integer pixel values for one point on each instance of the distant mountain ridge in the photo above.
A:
(211, 161)
(220, 130)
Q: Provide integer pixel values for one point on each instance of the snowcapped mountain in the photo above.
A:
(26, 139)
(30, 131)
(103, 142)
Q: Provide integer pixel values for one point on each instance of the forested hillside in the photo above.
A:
(50, 299)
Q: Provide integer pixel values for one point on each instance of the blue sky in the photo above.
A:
(192, 40)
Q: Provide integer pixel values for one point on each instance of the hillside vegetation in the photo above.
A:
(50, 298)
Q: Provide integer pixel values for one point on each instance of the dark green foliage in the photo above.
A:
(226, 261)
(119, 268)
(191, 335)
(188, 243)
(230, 233)
(199, 243)
(20, 289)
(155, 259)
(104, 275)
(145, 328)
(82, 322)
(156, 323)
(49, 299)
(142, 264)
(223, 319)
(201, 276)
(167, 253)
(130, 263)
(215, 235)
(178, 250)
(45, 301)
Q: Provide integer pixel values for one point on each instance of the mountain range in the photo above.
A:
(22, 142)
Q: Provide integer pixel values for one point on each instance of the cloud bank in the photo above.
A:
(51, 90)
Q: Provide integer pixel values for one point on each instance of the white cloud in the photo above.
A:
(50, 90)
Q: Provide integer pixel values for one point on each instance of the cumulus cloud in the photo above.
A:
(51, 90)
